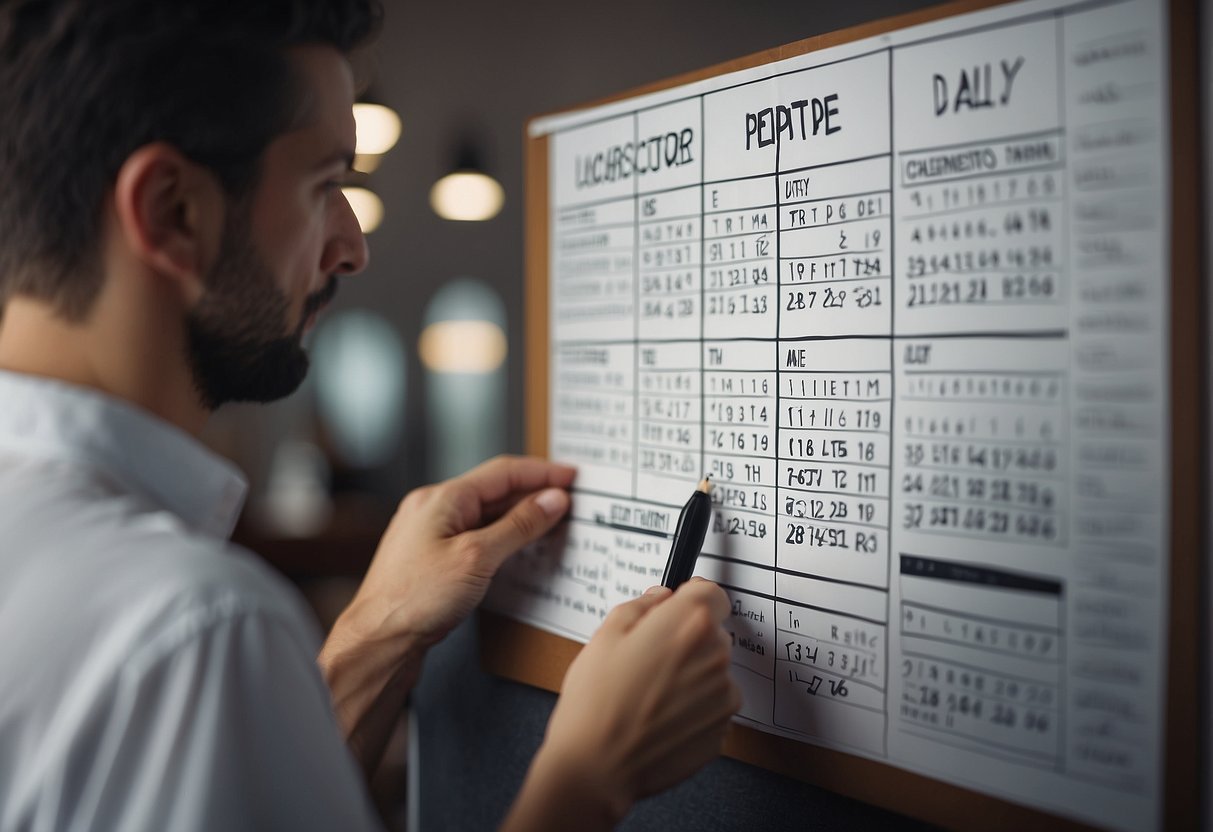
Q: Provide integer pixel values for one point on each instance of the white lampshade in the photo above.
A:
(467, 196)
(378, 129)
(462, 346)
(367, 207)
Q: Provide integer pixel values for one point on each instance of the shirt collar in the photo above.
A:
(51, 419)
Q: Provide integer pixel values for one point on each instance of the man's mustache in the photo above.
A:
(318, 299)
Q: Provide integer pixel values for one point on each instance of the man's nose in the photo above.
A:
(345, 252)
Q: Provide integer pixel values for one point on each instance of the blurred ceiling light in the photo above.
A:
(367, 207)
(366, 163)
(462, 346)
(467, 195)
(378, 128)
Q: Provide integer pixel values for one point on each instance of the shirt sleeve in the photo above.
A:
(224, 723)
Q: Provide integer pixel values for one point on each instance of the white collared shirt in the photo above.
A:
(152, 676)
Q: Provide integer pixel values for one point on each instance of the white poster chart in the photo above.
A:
(905, 300)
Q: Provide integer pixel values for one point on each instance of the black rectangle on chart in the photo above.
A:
(921, 567)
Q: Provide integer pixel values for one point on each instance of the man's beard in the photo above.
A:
(240, 345)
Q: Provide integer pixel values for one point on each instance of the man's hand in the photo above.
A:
(447, 541)
(645, 705)
(432, 568)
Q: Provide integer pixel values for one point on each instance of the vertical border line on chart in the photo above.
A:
(1063, 676)
(635, 314)
(778, 411)
(888, 583)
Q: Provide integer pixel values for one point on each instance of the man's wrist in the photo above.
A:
(370, 666)
(369, 636)
(573, 790)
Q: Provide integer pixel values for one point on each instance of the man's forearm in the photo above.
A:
(370, 669)
(560, 794)
(433, 566)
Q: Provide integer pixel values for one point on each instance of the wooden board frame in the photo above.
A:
(526, 654)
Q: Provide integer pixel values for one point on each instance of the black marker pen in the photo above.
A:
(688, 536)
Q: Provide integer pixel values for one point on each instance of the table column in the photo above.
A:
(592, 363)
(669, 243)
(1116, 140)
(593, 326)
(981, 367)
(739, 417)
(835, 387)
(739, 385)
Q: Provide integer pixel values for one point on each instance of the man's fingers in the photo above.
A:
(624, 616)
(488, 490)
(701, 591)
(503, 475)
(525, 523)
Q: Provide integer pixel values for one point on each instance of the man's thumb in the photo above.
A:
(525, 523)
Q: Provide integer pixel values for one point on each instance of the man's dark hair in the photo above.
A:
(84, 83)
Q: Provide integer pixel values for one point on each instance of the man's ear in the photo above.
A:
(170, 214)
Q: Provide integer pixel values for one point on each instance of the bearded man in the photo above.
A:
(171, 223)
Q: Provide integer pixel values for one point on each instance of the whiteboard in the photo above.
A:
(905, 299)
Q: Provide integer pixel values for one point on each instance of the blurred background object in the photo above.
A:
(360, 369)
(378, 128)
(463, 346)
(467, 193)
(366, 205)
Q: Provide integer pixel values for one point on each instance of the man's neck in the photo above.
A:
(124, 349)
